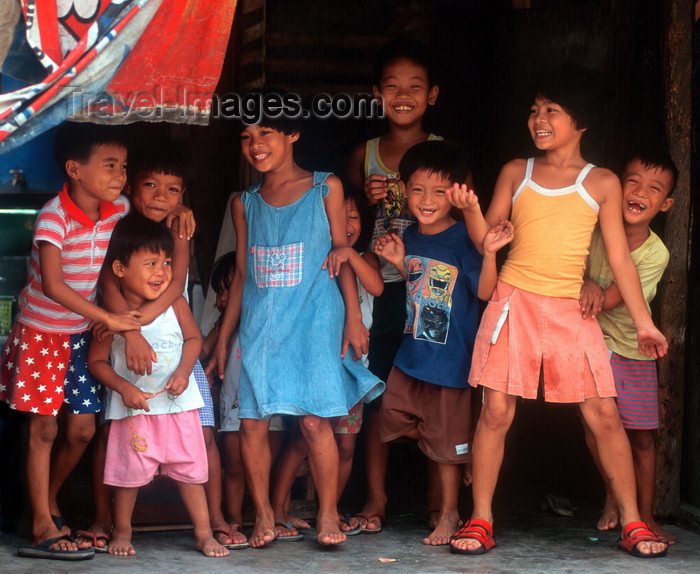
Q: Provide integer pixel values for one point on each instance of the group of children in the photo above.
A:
(308, 305)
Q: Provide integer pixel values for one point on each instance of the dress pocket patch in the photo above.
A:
(278, 266)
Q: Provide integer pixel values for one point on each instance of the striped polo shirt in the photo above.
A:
(83, 244)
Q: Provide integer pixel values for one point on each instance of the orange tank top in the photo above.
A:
(553, 229)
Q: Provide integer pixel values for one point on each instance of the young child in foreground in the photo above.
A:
(406, 87)
(43, 365)
(365, 266)
(647, 184)
(154, 426)
(156, 183)
(533, 322)
(294, 346)
(427, 397)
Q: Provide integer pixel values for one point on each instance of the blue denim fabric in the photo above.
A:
(292, 325)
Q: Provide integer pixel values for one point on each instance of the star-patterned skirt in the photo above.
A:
(41, 371)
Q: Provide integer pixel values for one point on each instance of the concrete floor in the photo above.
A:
(540, 542)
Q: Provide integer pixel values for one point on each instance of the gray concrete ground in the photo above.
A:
(542, 542)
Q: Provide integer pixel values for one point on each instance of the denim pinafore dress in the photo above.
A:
(293, 315)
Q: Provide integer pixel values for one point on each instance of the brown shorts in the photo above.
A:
(442, 416)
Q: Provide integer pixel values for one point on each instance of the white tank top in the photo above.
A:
(165, 337)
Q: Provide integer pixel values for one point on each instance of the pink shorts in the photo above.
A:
(522, 334)
(142, 446)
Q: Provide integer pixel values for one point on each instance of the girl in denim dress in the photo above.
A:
(295, 331)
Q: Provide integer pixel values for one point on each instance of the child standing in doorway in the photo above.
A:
(648, 181)
(295, 357)
(533, 322)
(405, 89)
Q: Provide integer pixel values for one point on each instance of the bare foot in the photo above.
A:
(210, 547)
(433, 517)
(668, 537)
(298, 523)
(264, 532)
(329, 531)
(230, 535)
(610, 519)
(121, 547)
(444, 530)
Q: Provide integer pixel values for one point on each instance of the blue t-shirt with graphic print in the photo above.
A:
(441, 305)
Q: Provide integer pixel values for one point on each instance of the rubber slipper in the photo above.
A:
(289, 538)
(42, 550)
(353, 531)
(94, 537)
(369, 517)
(479, 530)
(229, 535)
(633, 534)
(59, 522)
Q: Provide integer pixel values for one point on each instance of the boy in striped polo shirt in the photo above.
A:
(647, 184)
(43, 364)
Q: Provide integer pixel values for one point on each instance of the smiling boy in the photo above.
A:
(427, 398)
(44, 362)
(647, 184)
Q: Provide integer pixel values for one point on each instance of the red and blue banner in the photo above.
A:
(113, 61)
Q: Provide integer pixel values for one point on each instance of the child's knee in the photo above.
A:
(81, 430)
(346, 448)
(497, 412)
(641, 440)
(43, 428)
(314, 426)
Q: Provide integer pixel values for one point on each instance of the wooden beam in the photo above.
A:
(678, 57)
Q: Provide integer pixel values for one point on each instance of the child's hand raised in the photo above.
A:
(336, 258)
(177, 383)
(591, 299)
(498, 236)
(462, 197)
(392, 248)
(135, 398)
(651, 342)
(376, 188)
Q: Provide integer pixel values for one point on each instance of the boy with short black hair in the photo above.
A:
(405, 88)
(427, 397)
(648, 181)
(44, 362)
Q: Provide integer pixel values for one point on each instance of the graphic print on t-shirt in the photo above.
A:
(429, 298)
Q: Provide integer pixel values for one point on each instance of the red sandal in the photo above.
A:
(633, 534)
(478, 530)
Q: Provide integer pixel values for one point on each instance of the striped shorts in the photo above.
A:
(637, 389)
